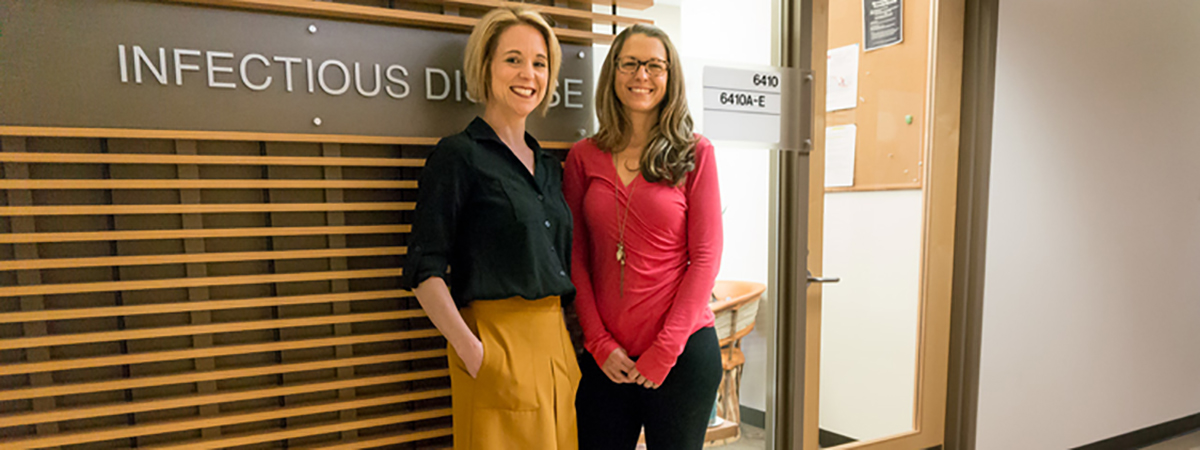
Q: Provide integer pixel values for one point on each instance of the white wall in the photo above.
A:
(1091, 320)
(872, 241)
(716, 32)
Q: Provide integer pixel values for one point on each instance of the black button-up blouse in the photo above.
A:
(486, 225)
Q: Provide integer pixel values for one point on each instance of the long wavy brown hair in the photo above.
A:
(671, 149)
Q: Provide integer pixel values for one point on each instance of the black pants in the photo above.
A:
(675, 415)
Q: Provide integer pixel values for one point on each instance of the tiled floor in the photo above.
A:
(1185, 442)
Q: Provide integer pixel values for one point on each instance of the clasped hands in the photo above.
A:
(620, 369)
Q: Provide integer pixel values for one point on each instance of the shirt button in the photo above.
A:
(547, 224)
(540, 198)
(562, 272)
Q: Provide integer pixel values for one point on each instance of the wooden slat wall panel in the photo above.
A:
(194, 377)
(186, 289)
(144, 235)
(205, 294)
(112, 210)
(194, 159)
(25, 278)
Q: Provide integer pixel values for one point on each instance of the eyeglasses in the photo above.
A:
(630, 65)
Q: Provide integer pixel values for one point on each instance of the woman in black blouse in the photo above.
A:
(490, 245)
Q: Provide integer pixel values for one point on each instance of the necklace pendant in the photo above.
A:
(621, 253)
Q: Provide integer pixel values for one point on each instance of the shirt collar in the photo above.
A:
(480, 131)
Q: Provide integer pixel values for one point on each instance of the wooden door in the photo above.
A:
(935, 176)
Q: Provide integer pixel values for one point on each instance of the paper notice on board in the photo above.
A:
(883, 23)
(839, 155)
(841, 85)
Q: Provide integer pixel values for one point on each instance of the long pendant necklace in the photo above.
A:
(624, 220)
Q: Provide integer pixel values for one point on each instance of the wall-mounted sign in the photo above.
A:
(147, 65)
(883, 23)
(745, 105)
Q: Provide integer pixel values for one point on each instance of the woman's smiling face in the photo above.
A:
(641, 90)
(519, 69)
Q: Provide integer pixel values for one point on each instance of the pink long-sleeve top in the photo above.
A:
(673, 242)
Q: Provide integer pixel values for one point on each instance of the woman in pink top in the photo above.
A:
(647, 244)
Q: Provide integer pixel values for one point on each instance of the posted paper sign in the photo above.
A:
(839, 155)
(883, 23)
(841, 89)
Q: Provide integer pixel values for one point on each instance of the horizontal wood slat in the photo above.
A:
(381, 15)
(215, 421)
(211, 399)
(583, 4)
(226, 374)
(129, 133)
(175, 283)
(30, 238)
(104, 261)
(208, 208)
(344, 11)
(139, 358)
(326, 429)
(137, 158)
(581, 14)
(206, 184)
(390, 440)
(209, 305)
(629, 4)
(132, 133)
(188, 330)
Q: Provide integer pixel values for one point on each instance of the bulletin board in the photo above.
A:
(892, 86)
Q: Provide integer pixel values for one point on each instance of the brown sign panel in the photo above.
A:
(147, 65)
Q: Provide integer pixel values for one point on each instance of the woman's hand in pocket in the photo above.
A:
(472, 357)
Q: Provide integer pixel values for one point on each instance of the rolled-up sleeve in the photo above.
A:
(442, 192)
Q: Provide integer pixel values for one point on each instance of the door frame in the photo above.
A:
(787, 408)
(979, 76)
(938, 255)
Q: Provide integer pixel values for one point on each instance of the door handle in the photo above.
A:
(812, 279)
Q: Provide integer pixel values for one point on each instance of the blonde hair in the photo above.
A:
(670, 152)
(477, 60)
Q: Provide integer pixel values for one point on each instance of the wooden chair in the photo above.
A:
(735, 306)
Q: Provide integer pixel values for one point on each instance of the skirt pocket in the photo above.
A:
(506, 379)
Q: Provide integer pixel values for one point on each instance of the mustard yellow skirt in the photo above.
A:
(524, 394)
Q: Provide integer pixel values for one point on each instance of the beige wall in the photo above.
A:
(1091, 322)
